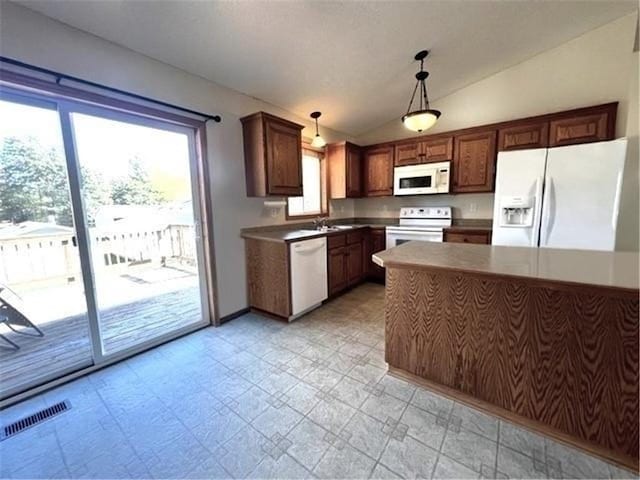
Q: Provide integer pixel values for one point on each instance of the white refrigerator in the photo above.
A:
(562, 197)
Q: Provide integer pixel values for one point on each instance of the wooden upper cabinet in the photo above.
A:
(272, 155)
(595, 124)
(407, 153)
(378, 171)
(474, 162)
(354, 170)
(423, 150)
(528, 135)
(438, 149)
(345, 170)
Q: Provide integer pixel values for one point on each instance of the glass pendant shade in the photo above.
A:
(420, 120)
(423, 117)
(318, 141)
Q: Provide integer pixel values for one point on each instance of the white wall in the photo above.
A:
(33, 38)
(597, 67)
(592, 69)
(629, 220)
(468, 206)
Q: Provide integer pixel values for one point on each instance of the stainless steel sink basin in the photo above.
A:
(335, 228)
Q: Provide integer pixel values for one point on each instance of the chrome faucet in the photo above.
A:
(320, 222)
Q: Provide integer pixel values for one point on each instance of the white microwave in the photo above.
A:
(422, 179)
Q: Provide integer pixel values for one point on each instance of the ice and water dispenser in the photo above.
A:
(516, 211)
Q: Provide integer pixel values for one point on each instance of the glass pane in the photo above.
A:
(44, 330)
(311, 200)
(136, 185)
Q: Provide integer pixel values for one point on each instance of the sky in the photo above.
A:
(106, 146)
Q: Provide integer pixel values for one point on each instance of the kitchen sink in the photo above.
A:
(335, 228)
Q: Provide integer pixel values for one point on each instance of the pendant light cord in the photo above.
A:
(423, 93)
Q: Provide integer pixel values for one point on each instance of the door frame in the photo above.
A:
(201, 201)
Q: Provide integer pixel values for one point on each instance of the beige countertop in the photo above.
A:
(295, 235)
(305, 231)
(617, 270)
(299, 234)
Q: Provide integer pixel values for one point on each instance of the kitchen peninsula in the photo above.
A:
(545, 337)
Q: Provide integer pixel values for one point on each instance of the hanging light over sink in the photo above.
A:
(422, 117)
(318, 141)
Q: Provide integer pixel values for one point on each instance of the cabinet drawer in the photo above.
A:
(531, 135)
(354, 237)
(335, 241)
(596, 127)
(483, 238)
(406, 154)
(437, 150)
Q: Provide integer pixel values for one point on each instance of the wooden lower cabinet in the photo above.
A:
(557, 357)
(346, 260)
(268, 279)
(354, 263)
(336, 269)
(376, 243)
(461, 235)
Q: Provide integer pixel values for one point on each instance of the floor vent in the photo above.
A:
(33, 419)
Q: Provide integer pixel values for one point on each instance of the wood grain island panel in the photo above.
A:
(561, 356)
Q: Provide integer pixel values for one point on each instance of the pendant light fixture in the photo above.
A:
(423, 117)
(318, 141)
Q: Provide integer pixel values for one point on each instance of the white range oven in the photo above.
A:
(422, 179)
(425, 224)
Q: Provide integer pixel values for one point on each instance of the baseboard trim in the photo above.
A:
(233, 315)
(527, 423)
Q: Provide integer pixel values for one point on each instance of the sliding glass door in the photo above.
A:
(139, 207)
(100, 251)
(44, 327)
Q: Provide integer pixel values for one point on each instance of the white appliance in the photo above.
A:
(562, 197)
(308, 275)
(426, 224)
(423, 179)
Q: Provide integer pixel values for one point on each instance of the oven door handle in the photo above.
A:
(413, 231)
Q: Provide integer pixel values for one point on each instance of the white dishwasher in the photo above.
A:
(308, 275)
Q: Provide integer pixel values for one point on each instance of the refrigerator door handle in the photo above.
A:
(616, 202)
(548, 205)
(537, 212)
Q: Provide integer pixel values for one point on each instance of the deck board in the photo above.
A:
(66, 343)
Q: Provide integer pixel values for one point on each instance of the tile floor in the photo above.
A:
(257, 398)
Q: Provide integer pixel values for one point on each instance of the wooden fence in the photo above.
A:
(52, 259)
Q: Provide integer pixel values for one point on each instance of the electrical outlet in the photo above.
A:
(473, 207)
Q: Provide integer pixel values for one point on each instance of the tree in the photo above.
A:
(135, 189)
(33, 182)
(96, 193)
(34, 185)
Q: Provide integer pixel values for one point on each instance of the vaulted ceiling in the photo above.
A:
(353, 60)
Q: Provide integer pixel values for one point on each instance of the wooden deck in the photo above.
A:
(66, 345)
